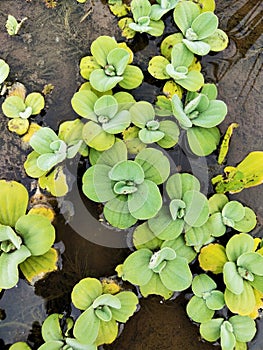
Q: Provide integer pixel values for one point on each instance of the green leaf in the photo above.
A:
(244, 328)
(36, 267)
(218, 41)
(51, 329)
(171, 134)
(108, 332)
(9, 266)
(37, 232)
(212, 116)
(95, 137)
(150, 136)
(232, 279)
(203, 141)
(164, 227)
(36, 101)
(117, 213)
(247, 223)
(178, 184)
(132, 77)
(119, 59)
(87, 65)
(155, 165)
(140, 8)
(119, 123)
(257, 283)
(179, 112)
(125, 100)
(13, 202)
(169, 42)
(193, 82)
(238, 245)
(141, 113)
(176, 275)
(215, 225)
(217, 203)
(197, 47)
(156, 28)
(83, 104)
(197, 211)
(210, 90)
(20, 346)
(198, 311)
(4, 71)
(55, 182)
(157, 67)
(253, 262)
(127, 170)
(210, 330)
(47, 161)
(12, 106)
(155, 286)
(41, 140)
(97, 185)
(216, 300)
(243, 303)
(129, 303)
(8, 234)
(86, 327)
(184, 15)
(85, 292)
(143, 237)
(101, 47)
(181, 56)
(106, 105)
(102, 82)
(75, 345)
(179, 246)
(197, 236)
(146, 201)
(135, 267)
(233, 211)
(106, 299)
(117, 153)
(202, 284)
(31, 166)
(227, 338)
(205, 25)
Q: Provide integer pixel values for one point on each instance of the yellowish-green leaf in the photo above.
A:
(55, 182)
(225, 143)
(118, 8)
(18, 125)
(213, 258)
(33, 127)
(43, 210)
(171, 88)
(127, 32)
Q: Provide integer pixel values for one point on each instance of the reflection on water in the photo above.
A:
(48, 50)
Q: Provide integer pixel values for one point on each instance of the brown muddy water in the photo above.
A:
(48, 50)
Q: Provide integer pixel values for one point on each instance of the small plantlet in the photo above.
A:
(13, 26)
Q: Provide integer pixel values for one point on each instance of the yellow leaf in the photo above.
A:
(110, 286)
(225, 143)
(259, 304)
(44, 210)
(33, 127)
(213, 258)
(171, 88)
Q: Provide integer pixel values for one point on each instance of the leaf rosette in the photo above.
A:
(108, 115)
(127, 187)
(109, 66)
(161, 272)
(187, 208)
(200, 29)
(177, 68)
(22, 235)
(101, 311)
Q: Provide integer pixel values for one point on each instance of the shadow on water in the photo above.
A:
(48, 50)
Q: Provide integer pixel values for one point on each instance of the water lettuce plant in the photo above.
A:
(165, 132)
(20, 346)
(177, 69)
(206, 299)
(19, 107)
(4, 71)
(98, 323)
(127, 187)
(187, 207)
(143, 21)
(242, 269)
(248, 173)
(13, 26)
(200, 30)
(199, 116)
(161, 272)
(22, 235)
(57, 337)
(161, 8)
(108, 115)
(109, 66)
(233, 333)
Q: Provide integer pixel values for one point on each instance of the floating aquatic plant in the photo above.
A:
(109, 66)
(4, 71)
(108, 115)
(19, 107)
(200, 30)
(127, 187)
(199, 116)
(187, 207)
(118, 7)
(20, 346)
(58, 337)
(13, 26)
(177, 69)
(248, 173)
(161, 272)
(242, 269)
(206, 299)
(23, 237)
(233, 333)
(161, 8)
(101, 311)
(164, 132)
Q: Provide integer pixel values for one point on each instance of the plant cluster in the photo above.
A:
(129, 173)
